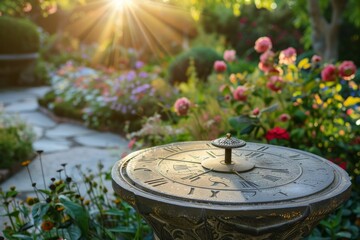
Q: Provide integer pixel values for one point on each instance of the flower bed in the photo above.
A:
(15, 142)
(106, 99)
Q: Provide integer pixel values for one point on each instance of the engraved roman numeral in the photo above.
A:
(173, 149)
(248, 184)
(211, 153)
(157, 182)
(280, 171)
(254, 154)
(214, 193)
(180, 167)
(191, 192)
(262, 149)
(272, 178)
(298, 157)
(144, 169)
(282, 193)
(143, 159)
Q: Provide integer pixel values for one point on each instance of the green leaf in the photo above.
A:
(22, 236)
(121, 229)
(39, 211)
(343, 234)
(247, 130)
(78, 213)
(11, 194)
(272, 108)
(114, 212)
(74, 232)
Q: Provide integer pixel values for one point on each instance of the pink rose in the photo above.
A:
(220, 66)
(316, 59)
(329, 73)
(275, 83)
(267, 57)
(284, 117)
(287, 56)
(263, 44)
(230, 55)
(240, 93)
(347, 70)
(182, 106)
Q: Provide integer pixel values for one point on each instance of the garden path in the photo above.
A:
(62, 142)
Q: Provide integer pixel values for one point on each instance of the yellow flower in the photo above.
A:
(351, 101)
(304, 64)
(25, 163)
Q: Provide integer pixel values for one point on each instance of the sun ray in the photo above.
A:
(151, 27)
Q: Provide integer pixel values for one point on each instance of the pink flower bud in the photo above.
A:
(284, 117)
(263, 44)
(240, 93)
(220, 66)
(256, 111)
(230, 55)
(182, 106)
(329, 73)
(347, 70)
(316, 59)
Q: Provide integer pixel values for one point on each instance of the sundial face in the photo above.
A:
(177, 171)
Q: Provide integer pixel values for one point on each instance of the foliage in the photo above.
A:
(15, 140)
(105, 98)
(238, 30)
(61, 211)
(18, 36)
(203, 57)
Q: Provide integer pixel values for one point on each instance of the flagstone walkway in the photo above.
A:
(62, 142)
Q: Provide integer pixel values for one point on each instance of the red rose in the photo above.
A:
(347, 70)
(329, 73)
(277, 133)
(340, 162)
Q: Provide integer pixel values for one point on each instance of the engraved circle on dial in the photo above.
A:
(175, 171)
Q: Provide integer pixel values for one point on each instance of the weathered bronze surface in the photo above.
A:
(282, 193)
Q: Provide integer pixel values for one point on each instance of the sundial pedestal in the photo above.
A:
(198, 190)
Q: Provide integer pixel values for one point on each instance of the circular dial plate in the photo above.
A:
(175, 171)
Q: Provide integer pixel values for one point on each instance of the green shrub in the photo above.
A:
(204, 59)
(18, 36)
(15, 141)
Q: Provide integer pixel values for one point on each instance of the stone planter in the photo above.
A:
(16, 69)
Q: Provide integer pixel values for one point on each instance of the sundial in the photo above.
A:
(229, 189)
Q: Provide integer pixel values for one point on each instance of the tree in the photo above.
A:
(322, 19)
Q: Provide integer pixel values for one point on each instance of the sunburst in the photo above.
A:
(145, 25)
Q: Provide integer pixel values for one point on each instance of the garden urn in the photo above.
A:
(229, 189)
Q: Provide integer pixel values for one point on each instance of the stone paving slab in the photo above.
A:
(68, 130)
(14, 95)
(86, 157)
(102, 140)
(23, 106)
(38, 119)
(52, 145)
(39, 91)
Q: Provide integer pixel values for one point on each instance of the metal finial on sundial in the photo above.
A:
(228, 143)
(228, 164)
